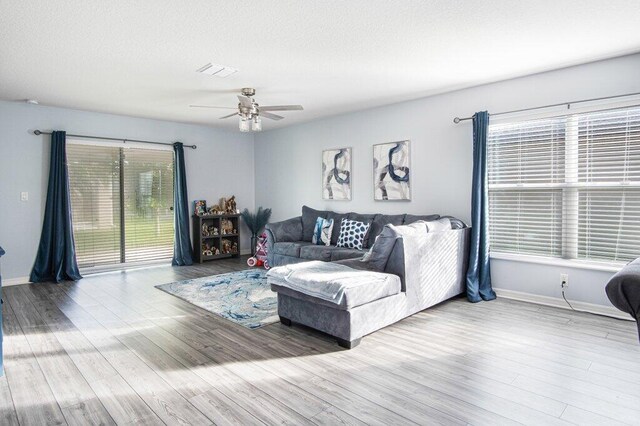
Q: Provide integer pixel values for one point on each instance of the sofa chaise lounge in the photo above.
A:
(412, 269)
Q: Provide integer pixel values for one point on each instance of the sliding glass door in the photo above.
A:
(122, 204)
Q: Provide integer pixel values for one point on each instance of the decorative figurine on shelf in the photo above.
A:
(213, 231)
(200, 207)
(231, 205)
(226, 227)
(205, 230)
(234, 248)
(226, 206)
(226, 246)
(206, 250)
(235, 231)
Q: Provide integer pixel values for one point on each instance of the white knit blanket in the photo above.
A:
(324, 280)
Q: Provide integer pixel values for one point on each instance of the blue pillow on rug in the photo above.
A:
(352, 234)
(322, 232)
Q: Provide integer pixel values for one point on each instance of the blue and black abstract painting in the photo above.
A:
(391, 171)
(336, 174)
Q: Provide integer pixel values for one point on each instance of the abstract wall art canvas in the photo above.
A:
(336, 174)
(391, 171)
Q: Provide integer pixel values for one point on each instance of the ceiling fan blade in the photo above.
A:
(271, 116)
(282, 108)
(211, 106)
(227, 116)
(245, 101)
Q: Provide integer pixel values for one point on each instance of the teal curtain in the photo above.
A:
(56, 258)
(182, 254)
(479, 272)
(1, 338)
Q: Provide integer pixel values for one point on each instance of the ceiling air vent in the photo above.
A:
(217, 70)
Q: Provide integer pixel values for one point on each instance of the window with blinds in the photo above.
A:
(121, 203)
(567, 187)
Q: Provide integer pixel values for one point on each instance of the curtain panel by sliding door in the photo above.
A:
(182, 253)
(56, 258)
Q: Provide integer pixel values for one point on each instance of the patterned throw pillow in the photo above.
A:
(352, 234)
(322, 232)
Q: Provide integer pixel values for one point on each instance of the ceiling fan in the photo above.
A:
(251, 113)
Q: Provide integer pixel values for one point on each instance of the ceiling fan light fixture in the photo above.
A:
(256, 124)
(248, 110)
(245, 124)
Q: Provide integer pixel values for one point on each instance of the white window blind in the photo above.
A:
(609, 185)
(94, 184)
(567, 186)
(526, 170)
(122, 204)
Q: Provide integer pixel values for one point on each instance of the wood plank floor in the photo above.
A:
(112, 349)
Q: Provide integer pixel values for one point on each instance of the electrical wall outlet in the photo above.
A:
(24, 196)
(564, 280)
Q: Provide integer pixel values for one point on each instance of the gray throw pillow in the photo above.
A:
(377, 257)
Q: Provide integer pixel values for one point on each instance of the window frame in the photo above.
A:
(570, 187)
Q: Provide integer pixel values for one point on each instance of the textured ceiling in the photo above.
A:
(139, 57)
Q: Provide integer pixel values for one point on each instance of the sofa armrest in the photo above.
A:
(287, 230)
(444, 255)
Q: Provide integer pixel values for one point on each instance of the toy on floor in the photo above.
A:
(260, 258)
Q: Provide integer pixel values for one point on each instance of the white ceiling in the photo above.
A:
(139, 57)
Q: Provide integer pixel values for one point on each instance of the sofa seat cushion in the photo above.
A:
(339, 253)
(314, 252)
(369, 286)
(291, 249)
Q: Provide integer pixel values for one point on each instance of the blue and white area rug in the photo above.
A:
(242, 297)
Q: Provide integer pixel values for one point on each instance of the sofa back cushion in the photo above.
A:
(455, 222)
(379, 221)
(410, 218)
(442, 224)
(309, 218)
(337, 221)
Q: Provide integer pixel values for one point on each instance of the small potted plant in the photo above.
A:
(256, 222)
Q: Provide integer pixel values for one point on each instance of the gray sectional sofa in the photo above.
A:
(412, 269)
(289, 241)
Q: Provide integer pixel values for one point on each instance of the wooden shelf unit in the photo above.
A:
(200, 240)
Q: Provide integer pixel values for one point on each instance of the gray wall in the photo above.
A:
(289, 168)
(222, 165)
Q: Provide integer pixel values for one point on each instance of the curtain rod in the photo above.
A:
(39, 132)
(568, 104)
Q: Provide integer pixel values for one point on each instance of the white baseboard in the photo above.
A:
(555, 302)
(14, 281)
